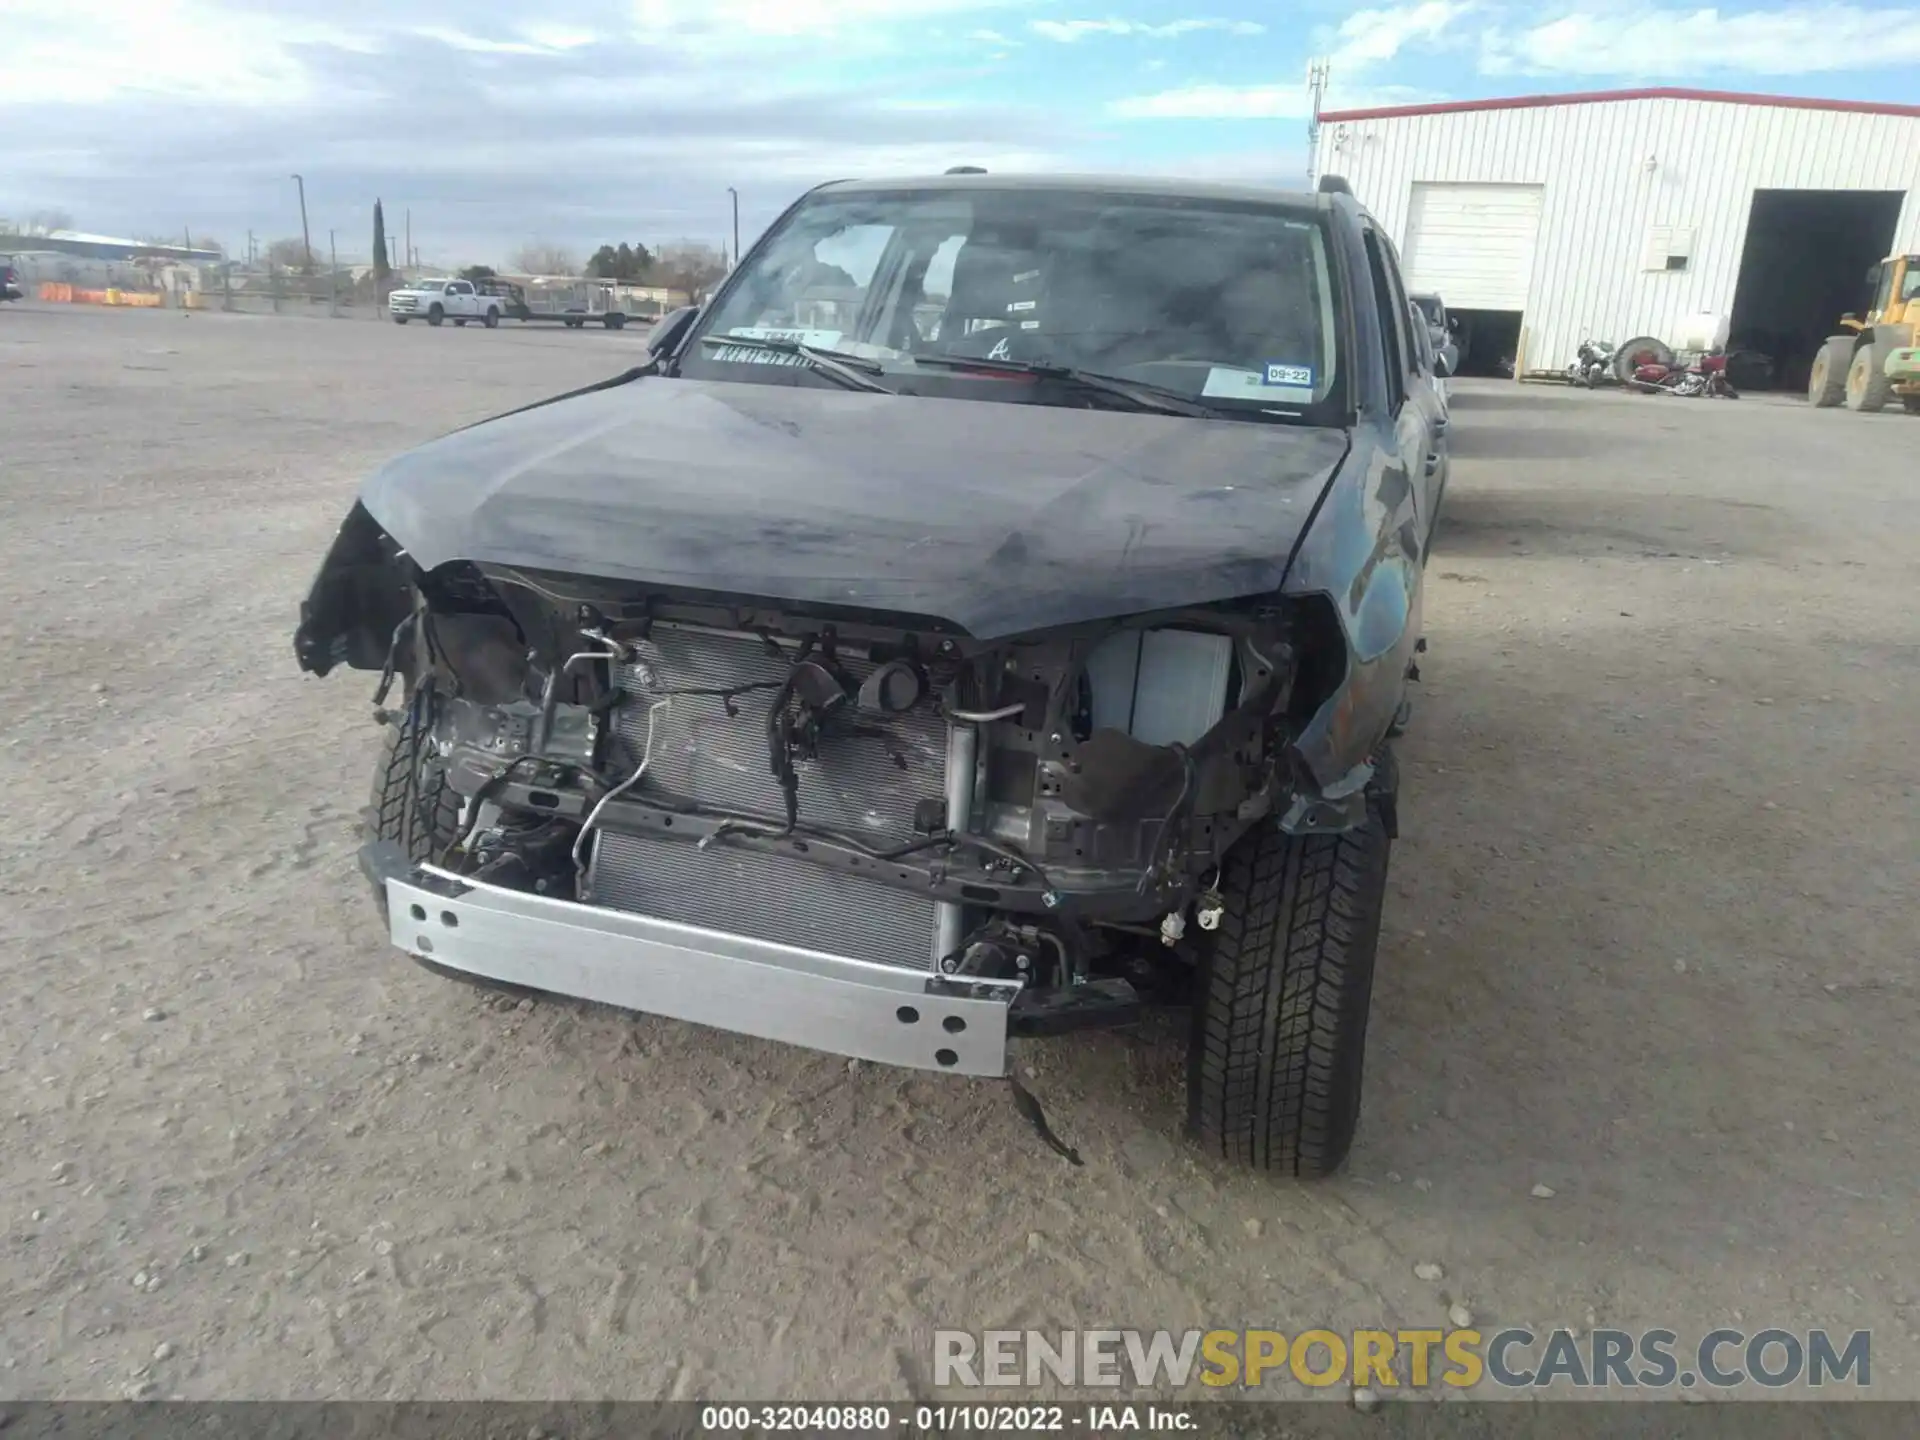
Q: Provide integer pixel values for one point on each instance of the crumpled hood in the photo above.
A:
(998, 518)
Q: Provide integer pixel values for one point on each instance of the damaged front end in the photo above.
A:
(874, 835)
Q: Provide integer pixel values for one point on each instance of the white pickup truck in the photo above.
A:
(438, 300)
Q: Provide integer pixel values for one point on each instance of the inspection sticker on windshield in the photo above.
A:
(1275, 382)
(820, 339)
(753, 355)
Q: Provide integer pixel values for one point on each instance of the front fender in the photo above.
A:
(1364, 555)
(357, 601)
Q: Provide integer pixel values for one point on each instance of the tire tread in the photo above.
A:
(1280, 1022)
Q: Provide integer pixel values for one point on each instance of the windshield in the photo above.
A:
(1226, 302)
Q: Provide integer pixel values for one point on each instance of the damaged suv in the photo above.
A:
(987, 613)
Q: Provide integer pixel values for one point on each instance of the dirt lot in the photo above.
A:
(1650, 944)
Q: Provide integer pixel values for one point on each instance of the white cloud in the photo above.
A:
(481, 45)
(1069, 31)
(79, 52)
(1260, 102)
(1680, 44)
(787, 19)
(1368, 38)
(1364, 41)
(1218, 102)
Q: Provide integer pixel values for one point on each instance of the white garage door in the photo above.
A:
(1473, 244)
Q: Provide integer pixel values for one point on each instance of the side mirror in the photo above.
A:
(670, 329)
(1442, 366)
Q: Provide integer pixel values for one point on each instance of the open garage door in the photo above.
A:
(1805, 263)
(1473, 244)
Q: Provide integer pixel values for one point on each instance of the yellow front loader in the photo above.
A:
(1878, 360)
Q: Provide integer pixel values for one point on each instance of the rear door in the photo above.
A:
(1417, 430)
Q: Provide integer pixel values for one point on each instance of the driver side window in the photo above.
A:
(1392, 309)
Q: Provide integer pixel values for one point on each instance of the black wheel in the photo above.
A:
(1280, 1016)
(412, 803)
(1912, 404)
(399, 319)
(616, 322)
(1868, 388)
(436, 315)
(415, 807)
(1827, 381)
(493, 318)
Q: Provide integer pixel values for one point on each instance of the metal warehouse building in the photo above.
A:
(1550, 219)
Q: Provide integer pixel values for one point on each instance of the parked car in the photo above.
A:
(953, 674)
(10, 287)
(438, 300)
(1441, 328)
(1434, 369)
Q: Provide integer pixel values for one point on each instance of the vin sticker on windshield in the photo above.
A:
(1296, 376)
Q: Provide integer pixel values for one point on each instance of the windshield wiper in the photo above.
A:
(847, 369)
(1142, 394)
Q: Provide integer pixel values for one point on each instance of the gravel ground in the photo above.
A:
(1649, 946)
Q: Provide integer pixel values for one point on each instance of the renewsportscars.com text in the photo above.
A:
(1513, 1358)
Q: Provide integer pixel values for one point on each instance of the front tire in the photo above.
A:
(1280, 1019)
(1868, 388)
(412, 804)
(399, 319)
(1827, 382)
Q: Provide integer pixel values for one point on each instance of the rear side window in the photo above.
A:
(1391, 307)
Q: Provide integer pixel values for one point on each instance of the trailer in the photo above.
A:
(575, 302)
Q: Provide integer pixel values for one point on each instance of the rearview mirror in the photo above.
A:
(670, 329)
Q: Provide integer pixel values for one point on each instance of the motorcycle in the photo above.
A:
(1701, 377)
(1593, 365)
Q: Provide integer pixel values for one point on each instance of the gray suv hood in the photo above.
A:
(997, 518)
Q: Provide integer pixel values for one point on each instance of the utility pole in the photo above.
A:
(333, 278)
(407, 248)
(736, 223)
(1317, 71)
(250, 252)
(306, 241)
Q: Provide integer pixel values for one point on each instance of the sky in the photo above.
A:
(497, 123)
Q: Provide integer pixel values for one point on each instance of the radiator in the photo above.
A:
(863, 784)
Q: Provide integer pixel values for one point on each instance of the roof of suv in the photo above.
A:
(1092, 184)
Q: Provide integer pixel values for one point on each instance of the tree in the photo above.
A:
(288, 254)
(631, 263)
(381, 269)
(543, 257)
(45, 222)
(689, 266)
(477, 273)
